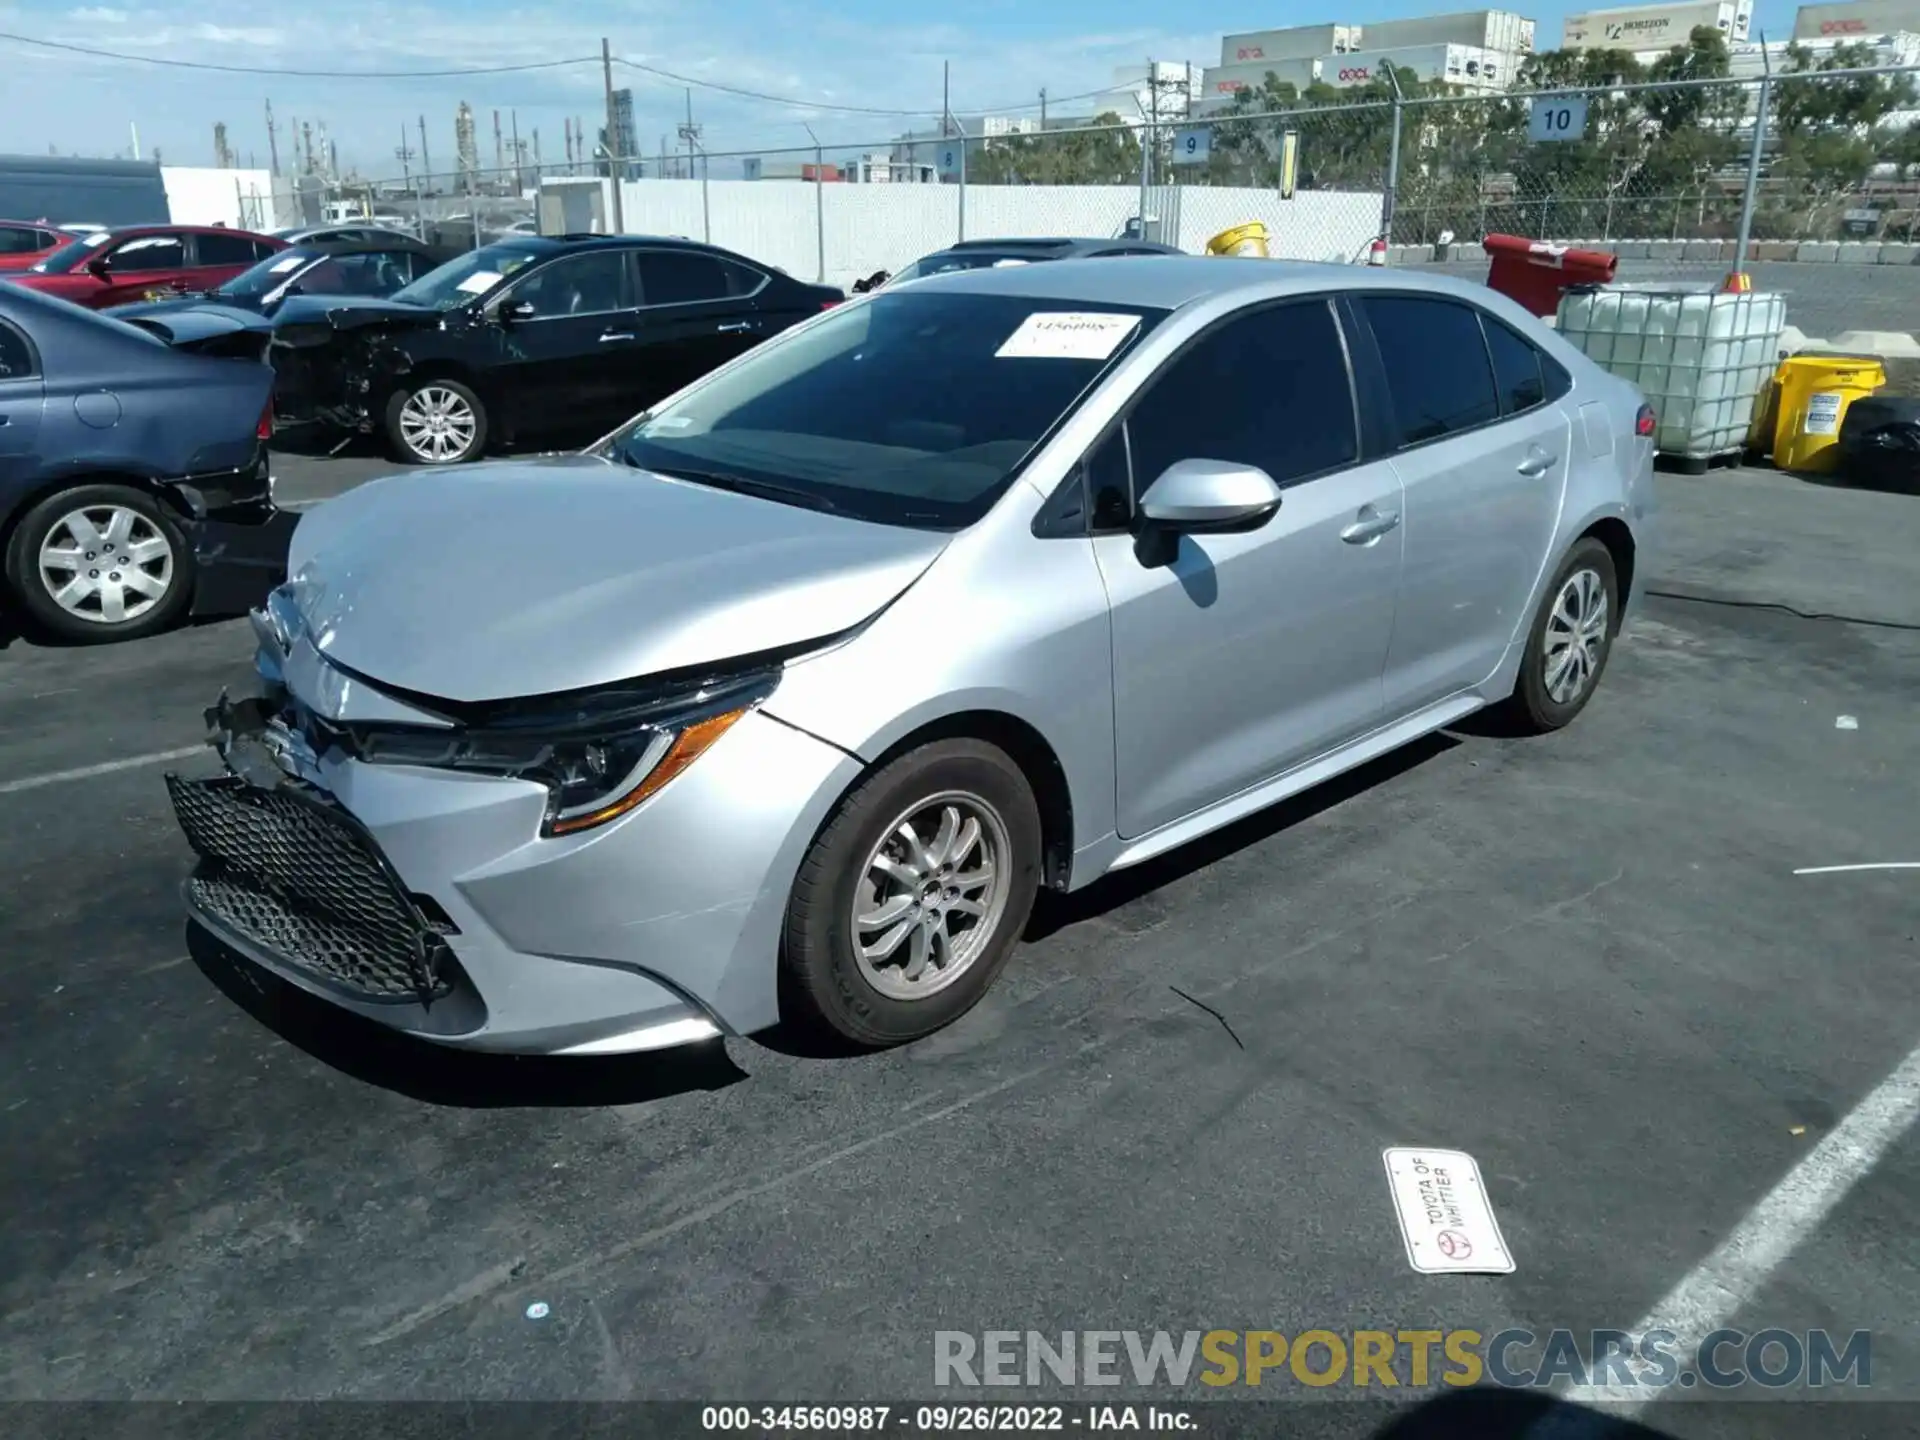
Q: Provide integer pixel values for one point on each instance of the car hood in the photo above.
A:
(350, 312)
(525, 578)
(192, 315)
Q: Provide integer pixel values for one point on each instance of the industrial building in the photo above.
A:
(1475, 50)
(1649, 31)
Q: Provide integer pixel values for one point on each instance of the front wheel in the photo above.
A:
(1572, 637)
(437, 422)
(100, 563)
(911, 900)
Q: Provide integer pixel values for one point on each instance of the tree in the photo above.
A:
(1105, 152)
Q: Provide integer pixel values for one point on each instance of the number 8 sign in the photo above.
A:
(1557, 117)
(1192, 145)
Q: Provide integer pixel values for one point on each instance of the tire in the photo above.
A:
(1536, 705)
(873, 1004)
(65, 546)
(436, 422)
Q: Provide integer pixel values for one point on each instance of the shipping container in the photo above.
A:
(1470, 66)
(1482, 29)
(1220, 84)
(1653, 28)
(1303, 42)
(1856, 19)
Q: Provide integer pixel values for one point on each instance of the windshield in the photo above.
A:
(269, 275)
(963, 260)
(908, 408)
(469, 277)
(71, 254)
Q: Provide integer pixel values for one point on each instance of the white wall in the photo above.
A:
(203, 196)
(884, 227)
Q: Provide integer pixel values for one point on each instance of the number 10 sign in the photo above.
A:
(1557, 117)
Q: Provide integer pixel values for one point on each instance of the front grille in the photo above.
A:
(299, 878)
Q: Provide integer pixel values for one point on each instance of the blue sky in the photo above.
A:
(831, 60)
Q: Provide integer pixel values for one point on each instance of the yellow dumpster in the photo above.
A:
(1815, 391)
(1250, 239)
(1766, 419)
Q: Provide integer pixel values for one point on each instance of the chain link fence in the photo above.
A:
(1816, 165)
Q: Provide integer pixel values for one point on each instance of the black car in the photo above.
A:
(561, 337)
(133, 469)
(981, 254)
(355, 269)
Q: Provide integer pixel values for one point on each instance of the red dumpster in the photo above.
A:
(1535, 272)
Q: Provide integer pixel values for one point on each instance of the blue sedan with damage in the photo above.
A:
(134, 483)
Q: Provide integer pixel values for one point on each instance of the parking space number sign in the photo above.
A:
(1557, 117)
(1192, 145)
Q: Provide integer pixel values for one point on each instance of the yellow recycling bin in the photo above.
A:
(1250, 239)
(1815, 391)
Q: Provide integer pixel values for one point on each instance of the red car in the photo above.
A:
(145, 262)
(26, 242)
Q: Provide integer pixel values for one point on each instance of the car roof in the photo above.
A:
(1167, 282)
(1061, 247)
(361, 247)
(119, 232)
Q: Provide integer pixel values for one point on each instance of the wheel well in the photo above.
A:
(1028, 749)
(168, 499)
(1618, 539)
(440, 370)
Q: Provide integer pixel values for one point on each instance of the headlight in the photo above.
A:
(600, 756)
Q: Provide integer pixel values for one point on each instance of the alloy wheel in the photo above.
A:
(1576, 638)
(931, 895)
(437, 424)
(106, 564)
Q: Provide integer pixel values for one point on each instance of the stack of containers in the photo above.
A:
(1700, 357)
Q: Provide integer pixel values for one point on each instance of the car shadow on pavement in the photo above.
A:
(462, 1079)
(1488, 1413)
(1054, 912)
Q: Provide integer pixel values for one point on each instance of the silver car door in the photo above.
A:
(1484, 465)
(1238, 656)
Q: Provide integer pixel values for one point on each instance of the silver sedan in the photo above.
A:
(784, 701)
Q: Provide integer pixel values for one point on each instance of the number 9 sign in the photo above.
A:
(1192, 145)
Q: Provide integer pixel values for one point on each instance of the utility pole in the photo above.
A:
(946, 93)
(687, 132)
(273, 141)
(519, 159)
(404, 154)
(1043, 112)
(499, 157)
(566, 138)
(306, 143)
(426, 162)
(536, 155)
(613, 139)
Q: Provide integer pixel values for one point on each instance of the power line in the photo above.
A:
(295, 74)
(797, 103)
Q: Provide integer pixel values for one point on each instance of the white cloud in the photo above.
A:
(831, 68)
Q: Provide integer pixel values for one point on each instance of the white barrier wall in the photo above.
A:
(242, 199)
(884, 227)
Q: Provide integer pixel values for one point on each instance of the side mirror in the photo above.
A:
(1210, 497)
(98, 268)
(515, 310)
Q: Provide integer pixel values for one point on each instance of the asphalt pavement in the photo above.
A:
(1585, 959)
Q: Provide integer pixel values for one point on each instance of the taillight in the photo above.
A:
(264, 430)
(1644, 423)
(828, 304)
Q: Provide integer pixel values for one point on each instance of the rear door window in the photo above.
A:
(1516, 368)
(223, 250)
(16, 356)
(18, 240)
(1439, 377)
(682, 277)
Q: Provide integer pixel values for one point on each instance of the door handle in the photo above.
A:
(1537, 462)
(616, 335)
(736, 327)
(1371, 525)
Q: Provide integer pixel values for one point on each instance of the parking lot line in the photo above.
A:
(1722, 1284)
(1845, 869)
(105, 767)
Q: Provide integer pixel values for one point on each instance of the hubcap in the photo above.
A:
(437, 424)
(106, 564)
(1576, 637)
(931, 896)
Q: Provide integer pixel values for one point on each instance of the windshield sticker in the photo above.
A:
(480, 280)
(1068, 335)
(670, 422)
(1003, 264)
(282, 266)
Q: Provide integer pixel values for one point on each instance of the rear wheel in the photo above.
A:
(1572, 637)
(99, 563)
(911, 900)
(437, 422)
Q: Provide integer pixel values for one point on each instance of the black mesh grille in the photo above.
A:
(299, 879)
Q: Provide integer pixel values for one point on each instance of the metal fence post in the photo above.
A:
(1748, 200)
(1146, 155)
(820, 211)
(963, 186)
(706, 211)
(1393, 166)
